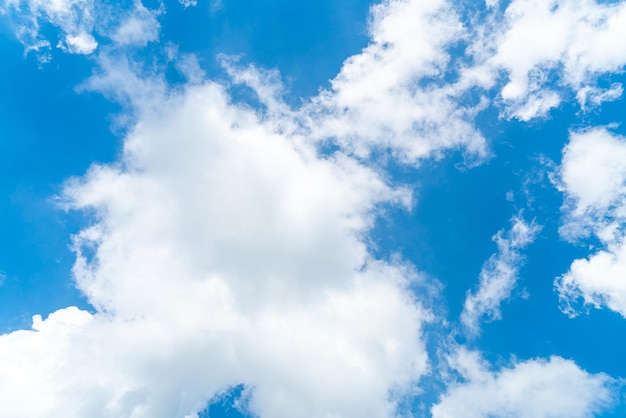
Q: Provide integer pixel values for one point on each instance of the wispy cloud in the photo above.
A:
(499, 274)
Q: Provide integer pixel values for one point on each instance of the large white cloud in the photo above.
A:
(223, 253)
(593, 177)
(554, 388)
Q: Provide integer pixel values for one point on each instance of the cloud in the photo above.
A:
(226, 249)
(137, 27)
(79, 23)
(392, 96)
(188, 3)
(498, 275)
(553, 388)
(547, 48)
(222, 252)
(74, 18)
(593, 176)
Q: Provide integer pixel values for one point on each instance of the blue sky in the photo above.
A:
(346, 209)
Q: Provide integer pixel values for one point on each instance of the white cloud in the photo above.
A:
(137, 27)
(498, 275)
(74, 18)
(188, 3)
(392, 96)
(595, 96)
(224, 249)
(82, 43)
(542, 44)
(593, 173)
(593, 178)
(224, 252)
(554, 388)
(79, 22)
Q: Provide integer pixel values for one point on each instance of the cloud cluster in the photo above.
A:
(227, 249)
(593, 177)
(548, 50)
(74, 18)
(81, 24)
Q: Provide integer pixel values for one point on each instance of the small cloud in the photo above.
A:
(216, 6)
(499, 274)
(83, 43)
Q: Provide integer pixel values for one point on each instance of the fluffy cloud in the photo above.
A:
(225, 249)
(593, 177)
(499, 274)
(392, 96)
(546, 45)
(554, 388)
(224, 252)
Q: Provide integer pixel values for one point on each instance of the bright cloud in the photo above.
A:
(391, 96)
(554, 388)
(74, 18)
(499, 274)
(226, 248)
(79, 22)
(593, 177)
(542, 45)
(231, 254)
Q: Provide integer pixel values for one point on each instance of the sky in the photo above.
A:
(312, 209)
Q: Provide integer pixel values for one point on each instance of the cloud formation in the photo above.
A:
(224, 252)
(82, 25)
(547, 50)
(74, 18)
(593, 176)
(227, 249)
(498, 275)
(553, 388)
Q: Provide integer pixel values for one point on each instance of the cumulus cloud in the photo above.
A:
(553, 388)
(226, 249)
(224, 252)
(392, 96)
(498, 275)
(593, 176)
(417, 99)
(541, 45)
